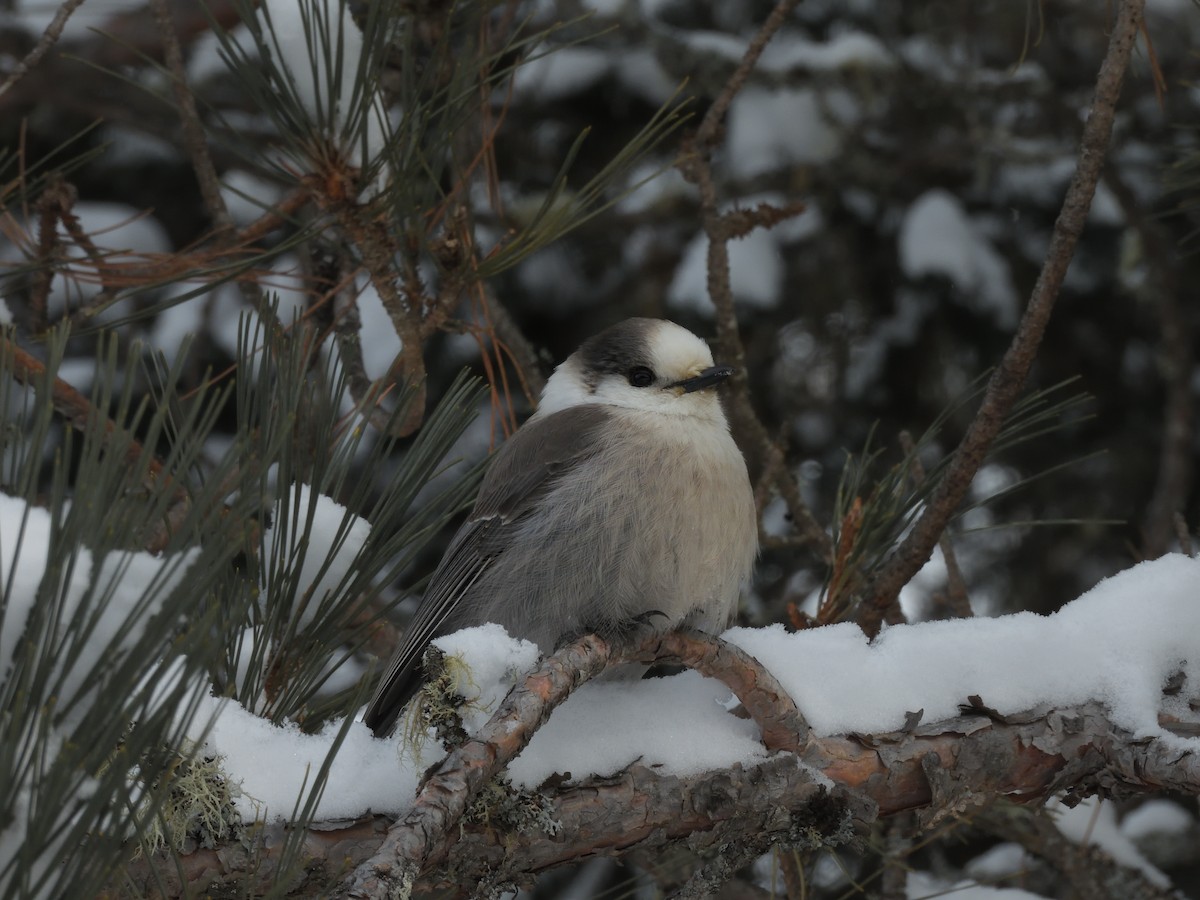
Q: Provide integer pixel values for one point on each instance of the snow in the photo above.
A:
(756, 261)
(848, 50)
(120, 591)
(561, 73)
(923, 886)
(322, 536)
(789, 51)
(774, 129)
(378, 339)
(491, 664)
(1094, 821)
(247, 196)
(175, 324)
(1117, 643)
(937, 237)
(36, 15)
(605, 8)
(1001, 861)
(207, 57)
(224, 306)
(650, 185)
(1156, 818)
(557, 73)
(679, 724)
(755, 274)
(1044, 183)
(116, 595)
(869, 352)
(274, 767)
(639, 72)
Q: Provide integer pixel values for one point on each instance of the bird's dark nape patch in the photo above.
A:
(616, 350)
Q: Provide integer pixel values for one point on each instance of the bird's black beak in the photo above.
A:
(710, 377)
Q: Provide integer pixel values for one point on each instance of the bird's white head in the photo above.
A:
(647, 365)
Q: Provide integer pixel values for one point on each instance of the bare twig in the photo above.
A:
(444, 796)
(793, 872)
(706, 134)
(55, 202)
(347, 331)
(640, 807)
(1087, 867)
(720, 229)
(194, 138)
(115, 272)
(48, 39)
(1009, 377)
(345, 322)
(127, 39)
(376, 249)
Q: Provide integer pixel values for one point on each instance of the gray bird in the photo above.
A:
(623, 495)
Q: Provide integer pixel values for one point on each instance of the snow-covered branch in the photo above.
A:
(641, 766)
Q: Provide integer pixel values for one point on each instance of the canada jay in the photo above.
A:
(622, 496)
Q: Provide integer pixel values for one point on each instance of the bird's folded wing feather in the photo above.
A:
(522, 473)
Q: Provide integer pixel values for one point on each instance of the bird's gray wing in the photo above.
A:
(522, 472)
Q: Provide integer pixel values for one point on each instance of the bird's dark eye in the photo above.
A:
(640, 376)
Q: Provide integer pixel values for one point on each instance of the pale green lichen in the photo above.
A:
(500, 805)
(195, 807)
(439, 703)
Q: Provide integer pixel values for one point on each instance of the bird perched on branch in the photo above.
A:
(622, 501)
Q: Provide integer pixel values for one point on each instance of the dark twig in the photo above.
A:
(375, 247)
(82, 415)
(56, 201)
(194, 138)
(694, 164)
(792, 868)
(1009, 377)
(1089, 869)
(344, 321)
(126, 39)
(347, 331)
(48, 39)
(706, 134)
